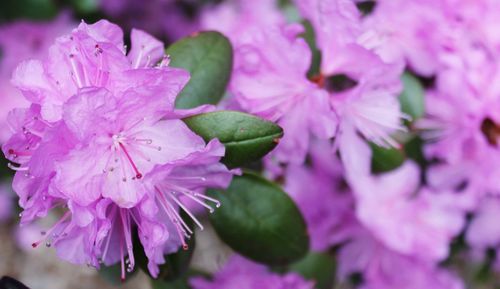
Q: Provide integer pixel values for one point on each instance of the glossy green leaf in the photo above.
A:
(412, 97)
(319, 267)
(260, 221)
(27, 9)
(247, 138)
(208, 56)
(386, 159)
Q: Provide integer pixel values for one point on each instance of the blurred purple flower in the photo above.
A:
(244, 274)
(408, 219)
(323, 197)
(269, 79)
(103, 140)
(483, 232)
(386, 269)
(238, 18)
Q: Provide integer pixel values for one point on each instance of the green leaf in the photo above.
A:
(319, 267)
(412, 97)
(386, 159)
(27, 9)
(208, 56)
(310, 37)
(176, 264)
(260, 221)
(85, 6)
(247, 138)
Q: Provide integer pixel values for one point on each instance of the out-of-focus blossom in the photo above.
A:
(20, 41)
(237, 18)
(171, 19)
(483, 233)
(102, 140)
(271, 63)
(241, 273)
(273, 84)
(411, 220)
(463, 135)
(368, 104)
(336, 25)
(421, 40)
(383, 268)
(324, 198)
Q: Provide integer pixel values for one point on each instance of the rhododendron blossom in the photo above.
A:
(103, 142)
(378, 264)
(270, 80)
(37, 37)
(239, 272)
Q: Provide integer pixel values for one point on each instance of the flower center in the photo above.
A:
(491, 131)
(119, 145)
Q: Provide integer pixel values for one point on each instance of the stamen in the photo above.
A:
(75, 71)
(217, 202)
(98, 53)
(202, 179)
(139, 58)
(46, 234)
(174, 218)
(172, 196)
(192, 197)
(12, 167)
(122, 276)
(128, 238)
(148, 62)
(173, 210)
(165, 61)
(15, 154)
(138, 175)
(106, 247)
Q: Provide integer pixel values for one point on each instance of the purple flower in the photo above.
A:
(482, 232)
(324, 198)
(273, 85)
(241, 273)
(37, 37)
(269, 79)
(237, 18)
(102, 140)
(411, 220)
(426, 27)
(386, 269)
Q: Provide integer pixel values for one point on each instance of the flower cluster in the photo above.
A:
(354, 90)
(102, 144)
(406, 218)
